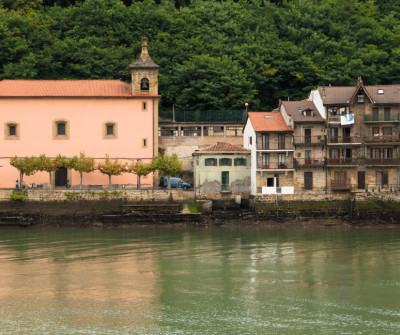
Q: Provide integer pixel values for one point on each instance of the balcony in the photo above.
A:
(340, 185)
(343, 162)
(382, 139)
(381, 118)
(333, 118)
(309, 140)
(381, 161)
(307, 163)
(345, 140)
(275, 147)
(275, 166)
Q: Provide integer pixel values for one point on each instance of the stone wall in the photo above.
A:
(128, 195)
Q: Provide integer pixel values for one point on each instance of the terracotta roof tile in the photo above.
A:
(268, 121)
(223, 147)
(295, 110)
(64, 88)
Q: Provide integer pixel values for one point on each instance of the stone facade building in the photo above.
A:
(309, 144)
(362, 135)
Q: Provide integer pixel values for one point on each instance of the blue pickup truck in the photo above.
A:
(175, 183)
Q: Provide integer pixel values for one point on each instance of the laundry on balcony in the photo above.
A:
(347, 119)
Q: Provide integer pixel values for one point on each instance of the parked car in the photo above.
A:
(175, 183)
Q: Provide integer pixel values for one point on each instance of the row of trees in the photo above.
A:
(213, 54)
(165, 165)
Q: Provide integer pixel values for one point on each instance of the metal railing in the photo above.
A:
(308, 140)
(381, 161)
(377, 188)
(275, 146)
(309, 162)
(345, 139)
(381, 117)
(341, 161)
(340, 185)
(381, 139)
(275, 166)
(203, 116)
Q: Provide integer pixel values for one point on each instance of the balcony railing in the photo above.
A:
(345, 140)
(309, 162)
(275, 146)
(275, 166)
(341, 162)
(381, 118)
(340, 185)
(309, 140)
(381, 139)
(381, 161)
(333, 118)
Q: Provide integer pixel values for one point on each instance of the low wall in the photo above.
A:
(130, 195)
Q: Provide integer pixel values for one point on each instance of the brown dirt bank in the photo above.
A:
(118, 212)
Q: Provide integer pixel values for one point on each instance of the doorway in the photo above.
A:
(61, 176)
(225, 181)
(361, 180)
(308, 181)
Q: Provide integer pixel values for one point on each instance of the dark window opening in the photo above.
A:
(270, 182)
(110, 129)
(240, 162)
(61, 128)
(144, 84)
(210, 162)
(225, 162)
(12, 130)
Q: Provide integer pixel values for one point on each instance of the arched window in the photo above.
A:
(144, 84)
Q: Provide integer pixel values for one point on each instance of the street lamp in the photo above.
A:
(246, 105)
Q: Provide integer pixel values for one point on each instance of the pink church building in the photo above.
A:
(67, 117)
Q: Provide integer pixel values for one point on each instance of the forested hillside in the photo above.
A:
(213, 54)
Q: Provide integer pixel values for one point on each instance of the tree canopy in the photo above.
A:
(213, 54)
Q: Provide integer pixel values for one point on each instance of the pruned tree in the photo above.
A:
(168, 166)
(111, 168)
(82, 164)
(25, 165)
(50, 165)
(140, 169)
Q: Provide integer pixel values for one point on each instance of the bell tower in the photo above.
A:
(144, 73)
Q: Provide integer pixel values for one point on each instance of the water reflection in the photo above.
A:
(184, 281)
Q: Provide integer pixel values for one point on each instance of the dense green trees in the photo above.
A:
(213, 54)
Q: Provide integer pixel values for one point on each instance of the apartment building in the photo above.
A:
(362, 135)
(269, 139)
(308, 142)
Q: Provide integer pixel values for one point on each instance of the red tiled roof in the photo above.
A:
(223, 147)
(268, 121)
(64, 88)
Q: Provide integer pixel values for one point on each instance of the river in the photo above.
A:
(199, 281)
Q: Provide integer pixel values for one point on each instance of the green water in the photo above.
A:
(205, 281)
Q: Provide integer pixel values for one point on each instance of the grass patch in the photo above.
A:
(192, 208)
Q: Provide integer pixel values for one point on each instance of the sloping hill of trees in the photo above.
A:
(213, 54)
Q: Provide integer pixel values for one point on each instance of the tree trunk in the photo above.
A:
(169, 182)
(21, 178)
(50, 181)
(109, 181)
(138, 183)
(81, 179)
